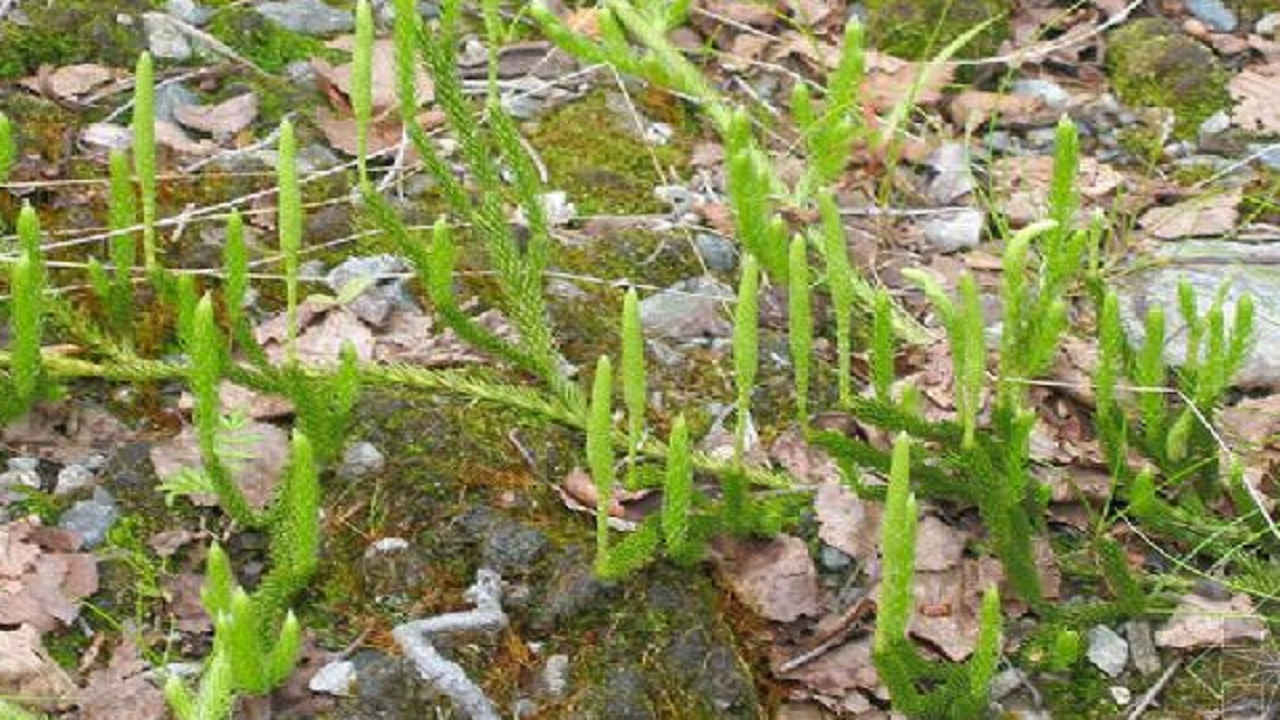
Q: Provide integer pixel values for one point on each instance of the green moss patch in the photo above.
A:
(71, 31)
(1153, 63)
(601, 163)
(270, 46)
(921, 29)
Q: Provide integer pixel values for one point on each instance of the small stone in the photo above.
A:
(337, 678)
(558, 209)
(525, 708)
(688, 310)
(361, 459)
(1041, 138)
(71, 478)
(24, 463)
(1006, 682)
(1215, 124)
(960, 230)
(832, 559)
(1142, 647)
(953, 177)
(719, 254)
(680, 198)
(387, 545)
(1214, 14)
(1107, 651)
(308, 17)
(21, 473)
(1047, 91)
(1121, 694)
(555, 676)
(1268, 25)
(659, 134)
(165, 39)
(188, 11)
(91, 519)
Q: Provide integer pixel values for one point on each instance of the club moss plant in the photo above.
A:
(979, 458)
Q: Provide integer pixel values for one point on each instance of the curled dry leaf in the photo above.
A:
(170, 136)
(72, 83)
(1199, 622)
(257, 476)
(578, 492)
(27, 671)
(41, 579)
(222, 119)
(775, 578)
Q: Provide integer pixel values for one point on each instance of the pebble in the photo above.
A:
(1142, 647)
(954, 177)
(1214, 14)
(1121, 694)
(337, 678)
(92, 518)
(384, 292)
(1269, 25)
(690, 309)
(1107, 651)
(833, 559)
(106, 136)
(71, 478)
(719, 254)
(169, 96)
(659, 134)
(555, 676)
(558, 209)
(188, 11)
(1047, 91)
(961, 230)
(22, 472)
(1215, 124)
(361, 459)
(165, 39)
(308, 17)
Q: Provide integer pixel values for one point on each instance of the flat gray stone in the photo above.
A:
(92, 518)
(1213, 13)
(960, 230)
(1207, 265)
(688, 310)
(1107, 650)
(165, 39)
(308, 17)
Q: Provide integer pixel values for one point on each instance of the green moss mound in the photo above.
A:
(270, 46)
(1153, 63)
(71, 31)
(919, 29)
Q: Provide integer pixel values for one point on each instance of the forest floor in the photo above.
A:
(100, 577)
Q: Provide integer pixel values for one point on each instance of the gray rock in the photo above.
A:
(105, 137)
(1107, 651)
(1206, 265)
(688, 310)
(558, 209)
(718, 253)
(1047, 91)
(24, 464)
(361, 459)
(513, 549)
(171, 95)
(1215, 124)
(960, 230)
(188, 11)
(71, 478)
(385, 291)
(1142, 647)
(1213, 13)
(681, 199)
(1268, 155)
(1268, 25)
(22, 472)
(1120, 694)
(338, 678)
(953, 176)
(385, 10)
(832, 559)
(1041, 138)
(308, 17)
(165, 39)
(91, 518)
(388, 688)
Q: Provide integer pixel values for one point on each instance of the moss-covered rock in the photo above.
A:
(72, 31)
(267, 44)
(1152, 63)
(919, 29)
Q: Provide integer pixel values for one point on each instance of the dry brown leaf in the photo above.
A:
(1022, 185)
(170, 136)
(775, 578)
(182, 595)
(814, 12)
(222, 119)
(256, 477)
(27, 671)
(321, 340)
(1210, 215)
(72, 83)
(939, 547)
(1256, 91)
(972, 108)
(578, 492)
(250, 402)
(745, 12)
(340, 132)
(65, 432)
(806, 462)
(843, 670)
(121, 689)
(383, 89)
(41, 582)
(948, 604)
(1251, 424)
(1199, 622)
(889, 80)
(848, 523)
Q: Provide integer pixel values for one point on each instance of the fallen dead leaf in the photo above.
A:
(65, 432)
(1022, 185)
(27, 671)
(889, 81)
(743, 12)
(182, 592)
(41, 580)
(1199, 622)
(578, 492)
(171, 136)
(845, 669)
(775, 578)
(1210, 215)
(72, 83)
(848, 523)
(122, 684)
(973, 108)
(257, 477)
(223, 119)
(242, 399)
(383, 90)
(321, 335)
(803, 461)
(1256, 91)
